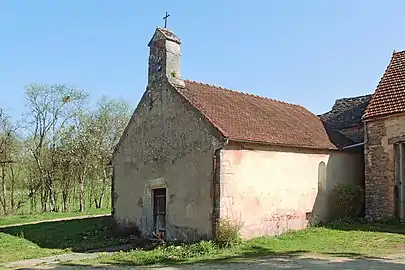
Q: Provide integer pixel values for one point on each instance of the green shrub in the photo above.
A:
(348, 200)
(227, 233)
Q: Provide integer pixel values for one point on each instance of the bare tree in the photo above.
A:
(51, 107)
(8, 155)
(59, 159)
(110, 119)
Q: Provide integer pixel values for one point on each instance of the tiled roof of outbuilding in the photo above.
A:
(247, 117)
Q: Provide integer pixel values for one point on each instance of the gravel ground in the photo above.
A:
(300, 262)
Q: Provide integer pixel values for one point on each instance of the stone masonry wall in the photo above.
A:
(380, 166)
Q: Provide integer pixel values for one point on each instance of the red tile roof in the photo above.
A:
(247, 117)
(389, 96)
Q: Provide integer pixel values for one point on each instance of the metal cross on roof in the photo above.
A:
(165, 18)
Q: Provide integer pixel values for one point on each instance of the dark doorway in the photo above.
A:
(159, 209)
(399, 189)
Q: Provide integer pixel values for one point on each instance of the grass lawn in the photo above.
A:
(18, 219)
(49, 238)
(348, 240)
(339, 239)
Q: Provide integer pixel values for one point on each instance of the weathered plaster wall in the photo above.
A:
(273, 190)
(380, 166)
(167, 145)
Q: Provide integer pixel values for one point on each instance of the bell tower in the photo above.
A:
(165, 57)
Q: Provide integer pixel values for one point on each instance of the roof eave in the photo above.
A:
(281, 145)
(382, 116)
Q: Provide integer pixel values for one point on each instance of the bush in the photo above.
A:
(348, 200)
(227, 233)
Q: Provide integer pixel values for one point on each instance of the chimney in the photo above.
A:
(164, 57)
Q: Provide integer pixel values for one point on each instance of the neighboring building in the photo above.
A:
(193, 153)
(346, 115)
(384, 144)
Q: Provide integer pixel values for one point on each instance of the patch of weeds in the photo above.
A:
(189, 251)
(228, 233)
(162, 254)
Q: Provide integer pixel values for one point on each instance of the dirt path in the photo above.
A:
(297, 262)
(54, 220)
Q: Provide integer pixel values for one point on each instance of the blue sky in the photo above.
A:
(305, 52)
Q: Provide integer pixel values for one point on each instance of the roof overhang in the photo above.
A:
(269, 144)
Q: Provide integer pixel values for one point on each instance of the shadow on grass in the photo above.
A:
(389, 226)
(78, 235)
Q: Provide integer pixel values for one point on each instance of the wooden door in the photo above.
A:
(159, 209)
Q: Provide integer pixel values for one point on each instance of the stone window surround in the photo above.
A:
(396, 140)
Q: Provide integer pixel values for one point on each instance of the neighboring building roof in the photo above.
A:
(389, 96)
(346, 112)
(246, 117)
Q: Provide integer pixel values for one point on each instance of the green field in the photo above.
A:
(48, 238)
(19, 219)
